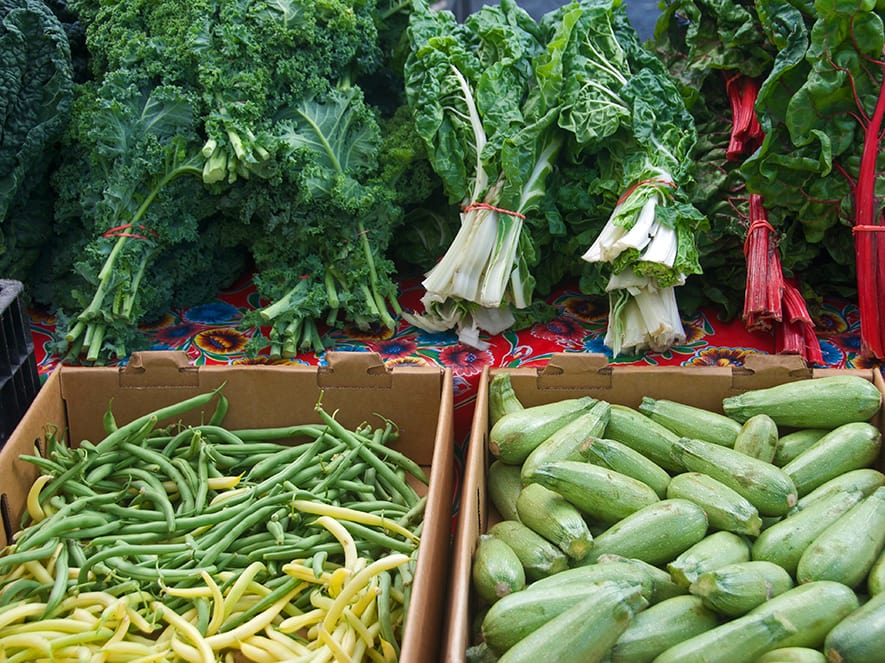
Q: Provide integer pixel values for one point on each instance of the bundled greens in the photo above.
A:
(624, 114)
(511, 109)
(244, 121)
(485, 95)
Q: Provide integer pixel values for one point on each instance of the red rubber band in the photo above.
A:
(118, 231)
(653, 180)
(473, 206)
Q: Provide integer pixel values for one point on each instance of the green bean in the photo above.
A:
(318, 562)
(201, 494)
(414, 513)
(29, 555)
(126, 550)
(282, 433)
(204, 612)
(240, 526)
(165, 465)
(122, 433)
(383, 470)
(108, 421)
(381, 507)
(59, 585)
(374, 537)
(386, 630)
(156, 574)
(400, 460)
(287, 456)
(206, 431)
(288, 585)
(336, 468)
(291, 469)
(60, 518)
(26, 587)
(221, 408)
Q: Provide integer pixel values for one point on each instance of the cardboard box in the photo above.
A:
(357, 385)
(583, 374)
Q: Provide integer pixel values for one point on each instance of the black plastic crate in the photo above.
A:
(19, 379)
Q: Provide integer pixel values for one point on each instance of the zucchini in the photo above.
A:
(792, 655)
(740, 640)
(765, 486)
(799, 617)
(663, 586)
(539, 557)
(655, 534)
(711, 552)
(865, 480)
(876, 576)
(516, 615)
(690, 421)
(849, 447)
(784, 542)
(504, 485)
(550, 515)
(792, 444)
(646, 436)
(496, 569)
(661, 626)
(758, 437)
(725, 508)
(847, 549)
(619, 572)
(565, 443)
(619, 457)
(735, 589)
(602, 494)
(502, 398)
(516, 433)
(826, 402)
(584, 633)
(860, 637)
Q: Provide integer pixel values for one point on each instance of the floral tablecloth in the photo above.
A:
(209, 333)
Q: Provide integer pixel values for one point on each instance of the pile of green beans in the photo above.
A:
(139, 506)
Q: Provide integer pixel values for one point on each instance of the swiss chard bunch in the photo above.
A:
(627, 121)
(485, 96)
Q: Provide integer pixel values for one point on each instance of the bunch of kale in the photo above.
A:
(216, 135)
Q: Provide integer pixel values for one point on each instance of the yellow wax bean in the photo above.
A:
(35, 510)
(278, 650)
(223, 483)
(188, 653)
(291, 644)
(257, 654)
(186, 629)
(302, 572)
(362, 517)
(343, 536)
(354, 622)
(60, 625)
(20, 612)
(38, 572)
(217, 618)
(359, 581)
(220, 641)
(294, 624)
(339, 653)
(239, 587)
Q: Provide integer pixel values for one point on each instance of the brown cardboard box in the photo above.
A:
(357, 385)
(579, 374)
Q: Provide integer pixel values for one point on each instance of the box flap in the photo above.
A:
(159, 368)
(350, 369)
(568, 370)
(760, 370)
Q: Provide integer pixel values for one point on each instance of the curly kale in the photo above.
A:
(240, 112)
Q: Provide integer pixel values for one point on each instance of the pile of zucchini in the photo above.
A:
(672, 534)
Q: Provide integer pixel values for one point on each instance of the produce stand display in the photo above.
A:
(382, 205)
